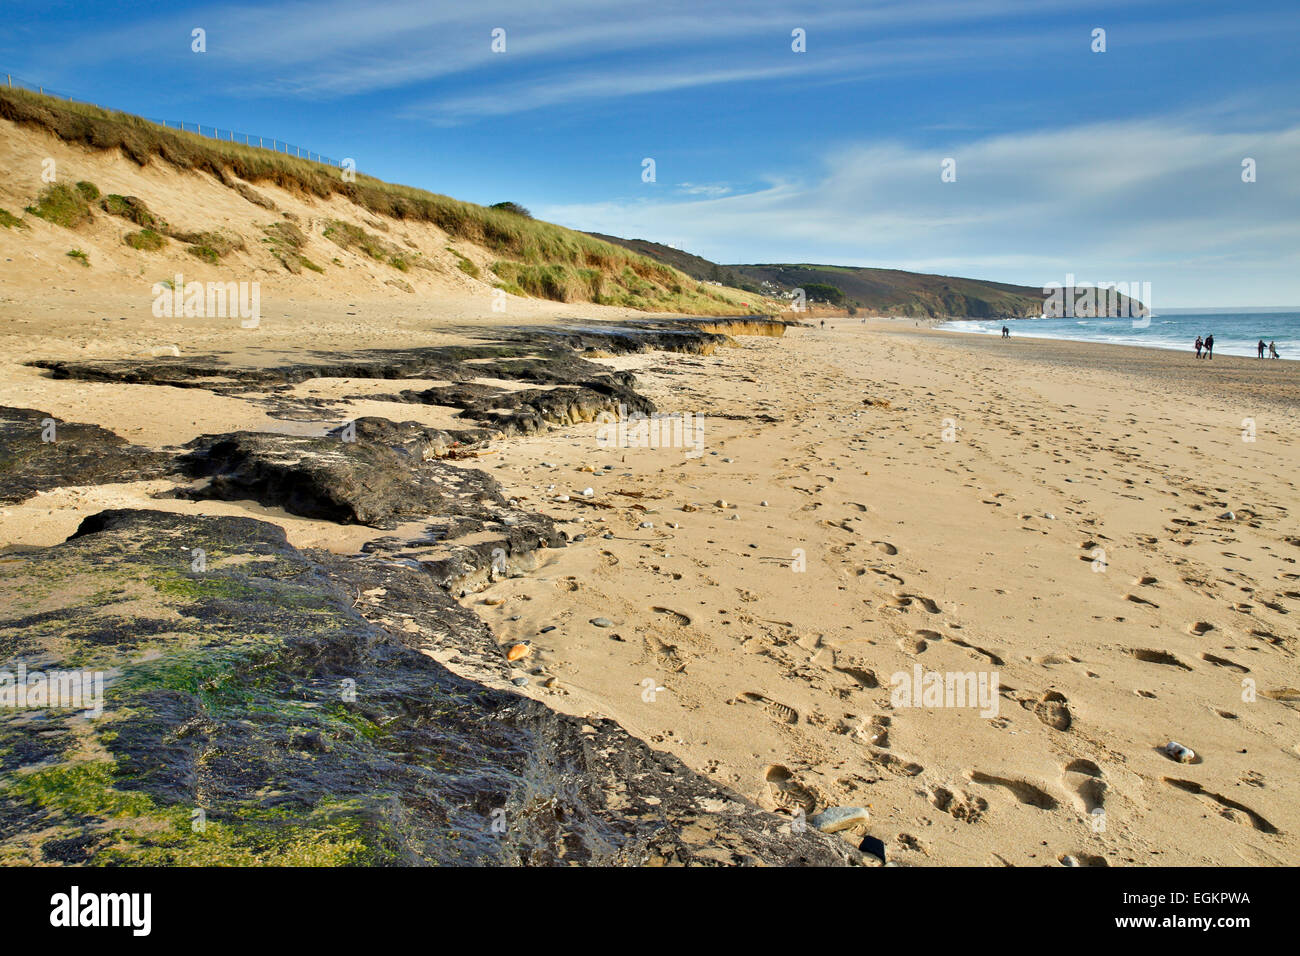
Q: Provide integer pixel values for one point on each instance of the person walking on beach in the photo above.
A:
(1006, 332)
(1261, 348)
(1199, 346)
(1209, 346)
(1272, 349)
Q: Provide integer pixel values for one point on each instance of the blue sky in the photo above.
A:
(1115, 166)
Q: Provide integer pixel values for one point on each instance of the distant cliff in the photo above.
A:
(865, 290)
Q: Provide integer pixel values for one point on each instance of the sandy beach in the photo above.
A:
(868, 500)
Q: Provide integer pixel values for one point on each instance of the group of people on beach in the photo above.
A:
(1206, 345)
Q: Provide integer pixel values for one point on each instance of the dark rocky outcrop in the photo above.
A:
(265, 705)
(38, 453)
(365, 480)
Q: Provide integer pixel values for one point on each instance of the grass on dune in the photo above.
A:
(537, 257)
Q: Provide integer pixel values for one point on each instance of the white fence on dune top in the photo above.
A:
(274, 144)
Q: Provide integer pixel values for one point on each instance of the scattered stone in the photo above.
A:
(588, 492)
(547, 629)
(1228, 516)
(646, 524)
(602, 622)
(518, 651)
(721, 503)
(763, 503)
(873, 846)
(561, 497)
(1177, 751)
(834, 819)
(519, 681)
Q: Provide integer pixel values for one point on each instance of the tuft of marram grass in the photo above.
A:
(146, 240)
(62, 205)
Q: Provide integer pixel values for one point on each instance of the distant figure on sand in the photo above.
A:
(1006, 332)
(1199, 345)
(823, 323)
(1261, 348)
(1209, 346)
(1272, 350)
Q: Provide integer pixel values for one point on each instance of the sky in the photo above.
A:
(1117, 165)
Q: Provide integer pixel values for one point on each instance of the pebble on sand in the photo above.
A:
(602, 622)
(1178, 752)
(834, 819)
(517, 651)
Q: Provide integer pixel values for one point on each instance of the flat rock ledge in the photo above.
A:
(266, 705)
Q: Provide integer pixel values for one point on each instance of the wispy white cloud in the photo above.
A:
(708, 190)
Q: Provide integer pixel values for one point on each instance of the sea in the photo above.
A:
(1235, 331)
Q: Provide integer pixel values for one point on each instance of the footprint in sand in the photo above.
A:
(960, 806)
(863, 675)
(885, 547)
(1200, 628)
(778, 711)
(1224, 662)
(988, 655)
(897, 765)
(876, 732)
(913, 644)
(787, 791)
(1151, 656)
(1024, 791)
(1226, 807)
(1052, 709)
(677, 617)
(1083, 778)
(665, 654)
